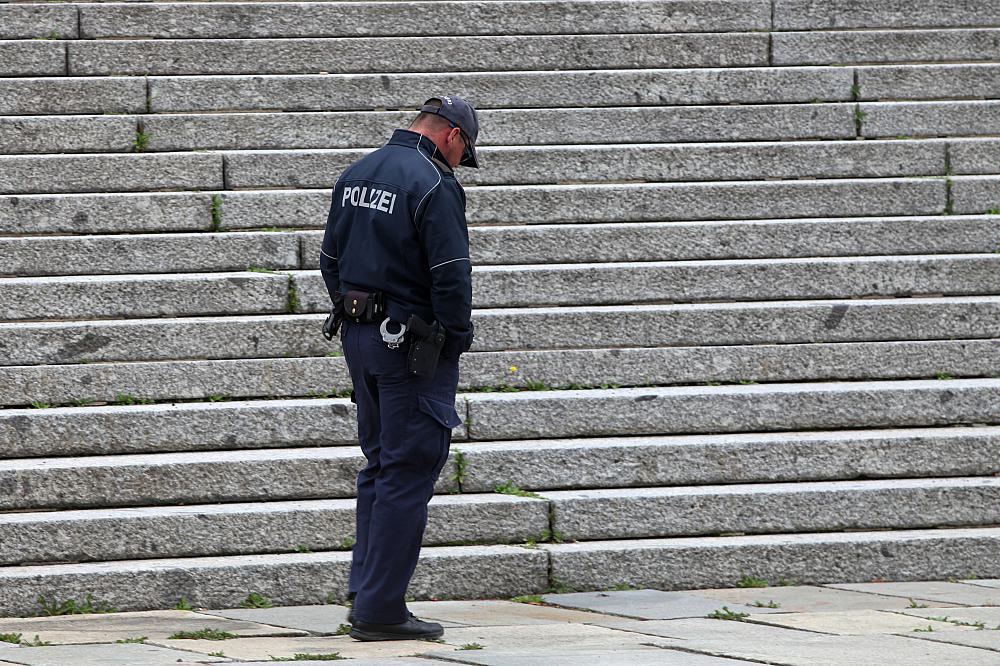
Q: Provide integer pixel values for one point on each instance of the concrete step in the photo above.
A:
(38, 21)
(638, 124)
(535, 204)
(72, 95)
(753, 458)
(495, 416)
(61, 134)
(975, 156)
(860, 47)
(202, 530)
(489, 90)
(829, 506)
(495, 245)
(32, 57)
(293, 336)
(294, 377)
(963, 118)
(714, 562)
(512, 286)
(601, 163)
(436, 54)
(171, 295)
(363, 19)
(285, 579)
(976, 194)
(928, 82)
(109, 173)
(809, 15)
(798, 406)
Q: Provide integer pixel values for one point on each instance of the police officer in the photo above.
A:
(397, 245)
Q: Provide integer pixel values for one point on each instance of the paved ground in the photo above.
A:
(933, 622)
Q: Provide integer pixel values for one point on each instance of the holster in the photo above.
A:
(364, 306)
(332, 323)
(426, 341)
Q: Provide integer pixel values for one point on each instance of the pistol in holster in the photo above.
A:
(426, 341)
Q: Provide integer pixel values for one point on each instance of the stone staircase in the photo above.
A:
(737, 294)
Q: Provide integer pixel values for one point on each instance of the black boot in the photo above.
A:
(409, 630)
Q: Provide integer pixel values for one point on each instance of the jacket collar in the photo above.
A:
(410, 139)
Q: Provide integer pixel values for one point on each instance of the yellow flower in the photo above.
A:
(513, 368)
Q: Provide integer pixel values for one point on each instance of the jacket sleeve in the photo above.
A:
(444, 235)
(328, 265)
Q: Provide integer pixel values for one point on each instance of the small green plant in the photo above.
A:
(220, 653)
(305, 656)
(510, 489)
(347, 543)
(472, 646)
(258, 269)
(40, 405)
(622, 587)
(856, 91)
(72, 607)
(335, 353)
(784, 582)
(752, 581)
(141, 142)
(528, 599)
(183, 605)
(461, 465)
(81, 402)
(205, 634)
(769, 604)
(53, 34)
(914, 604)
(726, 614)
(559, 587)
(342, 630)
(10, 638)
(302, 549)
(126, 399)
(140, 639)
(38, 642)
(993, 211)
(217, 397)
(293, 295)
(255, 600)
(929, 628)
(942, 375)
(216, 212)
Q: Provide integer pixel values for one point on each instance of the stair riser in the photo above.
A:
(881, 46)
(38, 21)
(809, 15)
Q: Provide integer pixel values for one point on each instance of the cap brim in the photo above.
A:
(470, 158)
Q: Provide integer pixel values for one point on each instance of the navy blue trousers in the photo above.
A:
(404, 428)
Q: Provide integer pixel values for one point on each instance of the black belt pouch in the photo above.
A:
(425, 346)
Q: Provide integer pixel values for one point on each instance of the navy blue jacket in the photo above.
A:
(397, 224)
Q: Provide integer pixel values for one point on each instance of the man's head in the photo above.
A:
(453, 125)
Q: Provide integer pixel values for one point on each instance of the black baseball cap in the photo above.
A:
(462, 115)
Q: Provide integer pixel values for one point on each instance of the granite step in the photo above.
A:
(928, 81)
(861, 47)
(97, 383)
(36, 21)
(918, 119)
(246, 528)
(32, 57)
(60, 134)
(72, 95)
(809, 15)
(294, 336)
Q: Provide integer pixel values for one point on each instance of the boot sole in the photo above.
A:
(360, 635)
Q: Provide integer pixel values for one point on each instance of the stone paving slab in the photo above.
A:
(586, 88)
(437, 54)
(988, 640)
(850, 623)
(564, 638)
(882, 46)
(790, 647)
(644, 604)
(321, 620)
(808, 598)
(124, 654)
(985, 582)
(926, 82)
(489, 613)
(155, 625)
(988, 615)
(561, 657)
(933, 591)
(266, 648)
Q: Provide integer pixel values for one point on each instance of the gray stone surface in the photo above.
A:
(285, 649)
(66, 134)
(38, 21)
(437, 54)
(988, 640)
(789, 647)
(705, 459)
(105, 213)
(883, 46)
(662, 241)
(587, 88)
(237, 528)
(975, 156)
(258, 19)
(44, 174)
(278, 208)
(810, 15)
(44, 96)
(957, 118)
(293, 377)
(934, 590)
(285, 579)
(261, 336)
(649, 162)
(32, 58)
(806, 599)
(644, 604)
(645, 656)
(733, 408)
(684, 563)
(977, 193)
(495, 612)
(252, 131)
(775, 508)
(548, 639)
(854, 623)
(926, 82)
(110, 655)
(320, 620)
(147, 253)
(142, 295)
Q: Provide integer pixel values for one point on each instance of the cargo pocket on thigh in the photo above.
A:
(445, 415)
